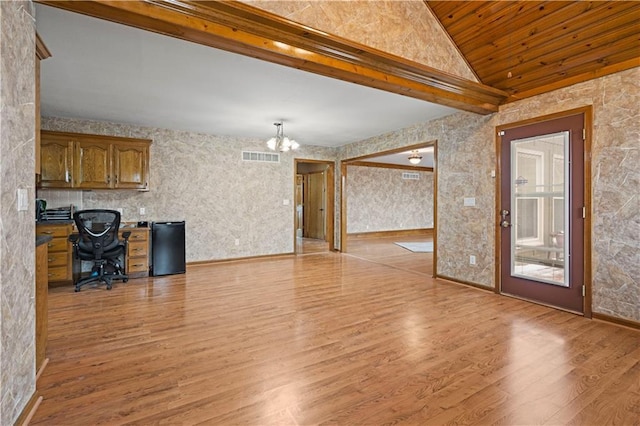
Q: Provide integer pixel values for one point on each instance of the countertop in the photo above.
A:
(54, 222)
(43, 239)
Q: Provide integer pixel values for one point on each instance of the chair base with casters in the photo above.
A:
(104, 270)
(97, 241)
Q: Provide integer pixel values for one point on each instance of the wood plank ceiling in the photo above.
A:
(531, 47)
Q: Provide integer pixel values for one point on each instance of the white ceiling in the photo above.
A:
(110, 72)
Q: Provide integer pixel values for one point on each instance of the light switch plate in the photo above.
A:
(23, 200)
(469, 202)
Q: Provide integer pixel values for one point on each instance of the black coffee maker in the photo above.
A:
(41, 208)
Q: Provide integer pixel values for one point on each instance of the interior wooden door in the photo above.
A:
(543, 211)
(315, 205)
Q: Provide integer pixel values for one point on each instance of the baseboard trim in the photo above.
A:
(238, 259)
(396, 233)
(463, 282)
(41, 370)
(29, 410)
(615, 320)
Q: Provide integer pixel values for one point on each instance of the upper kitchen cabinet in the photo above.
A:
(131, 165)
(56, 160)
(97, 162)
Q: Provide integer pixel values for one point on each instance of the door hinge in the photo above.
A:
(584, 291)
(584, 134)
(501, 133)
(584, 212)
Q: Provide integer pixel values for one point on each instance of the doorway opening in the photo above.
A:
(314, 206)
(543, 237)
(363, 229)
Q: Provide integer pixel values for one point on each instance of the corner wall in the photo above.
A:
(17, 228)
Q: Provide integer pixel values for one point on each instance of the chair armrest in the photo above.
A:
(126, 235)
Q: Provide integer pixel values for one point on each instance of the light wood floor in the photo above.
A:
(328, 339)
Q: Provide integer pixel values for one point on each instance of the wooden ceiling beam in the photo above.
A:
(239, 28)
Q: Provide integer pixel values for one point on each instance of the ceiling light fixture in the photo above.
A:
(280, 142)
(415, 158)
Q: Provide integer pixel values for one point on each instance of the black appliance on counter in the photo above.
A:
(41, 208)
(168, 248)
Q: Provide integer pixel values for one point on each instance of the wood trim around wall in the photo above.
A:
(463, 282)
(615, 320)
(391, 166)
(236, 259)
(29, 410)
(330, 198)
(427, 232)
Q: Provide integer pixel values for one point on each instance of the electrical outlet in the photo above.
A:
(120, 210)
(472, 260)
(237, 242)
(143, 211)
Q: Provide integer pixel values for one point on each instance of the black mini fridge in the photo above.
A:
(168, 248)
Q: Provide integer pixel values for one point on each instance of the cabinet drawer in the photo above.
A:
(137, 236)
(137, 264)
(58, 273)
(57, 259)
(138, 248)
(54, 231)
(58, 245)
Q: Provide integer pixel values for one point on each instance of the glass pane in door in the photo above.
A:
(539, 228)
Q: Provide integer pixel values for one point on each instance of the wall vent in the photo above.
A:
(260, 157)
(411, 175)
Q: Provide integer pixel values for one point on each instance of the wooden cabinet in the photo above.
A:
(137, 252)
(59, 263)
(131, 165)
(81, 161)
(42, 306)
(41, 53)
(93, 167)
(56, 161)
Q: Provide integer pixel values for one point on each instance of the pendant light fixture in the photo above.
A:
(415, 157)
(280, 142)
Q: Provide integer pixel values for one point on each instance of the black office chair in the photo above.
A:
(97, 241)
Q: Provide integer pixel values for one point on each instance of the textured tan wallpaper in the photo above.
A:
(202, 179)
(17, 228)
(378, 199)
(466, 157)
(405, 28)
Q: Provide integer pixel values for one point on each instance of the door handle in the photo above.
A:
(504, 222)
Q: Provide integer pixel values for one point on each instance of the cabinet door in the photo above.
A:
(131, 165)
(93, 164)
(56, 160)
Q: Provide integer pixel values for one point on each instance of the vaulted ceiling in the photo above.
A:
(530, 47)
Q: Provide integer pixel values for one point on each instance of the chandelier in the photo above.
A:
(280, 142)
(415, 158)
